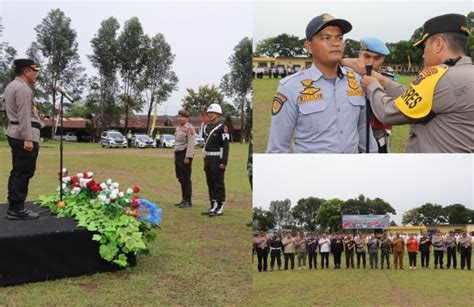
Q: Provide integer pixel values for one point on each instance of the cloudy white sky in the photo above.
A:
(391, 21)
(405, 181)
(202, 34)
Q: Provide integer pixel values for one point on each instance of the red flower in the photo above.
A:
(85, 176)
(74, 179)
(91, 183)
(76, 185)
(135, 204)
(136, 189)
(95, 188)
(134, 198)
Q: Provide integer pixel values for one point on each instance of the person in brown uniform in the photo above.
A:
(398, 247)
(23, 137)
(183, 157)
(439, 104)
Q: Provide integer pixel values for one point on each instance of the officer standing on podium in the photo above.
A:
(216, 153)
(23, 137)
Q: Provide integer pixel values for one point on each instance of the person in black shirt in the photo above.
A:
(349, 247)
(216, 153)
(424, 247)
(337, 247)
(312, 244)
(276, 247)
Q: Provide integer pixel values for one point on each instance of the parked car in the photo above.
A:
(113, 138)
(167, 141)
(142, 141)
(68, 137)
(199, 141)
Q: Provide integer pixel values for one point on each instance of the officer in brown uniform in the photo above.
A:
(183, 157)
(23, 136)
(440, 102)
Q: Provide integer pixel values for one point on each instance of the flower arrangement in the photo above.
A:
(122, 222)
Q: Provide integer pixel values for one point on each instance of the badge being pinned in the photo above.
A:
(278, 100)
(351, 80)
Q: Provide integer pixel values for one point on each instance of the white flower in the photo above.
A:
(79, 175)
(76, 191)
(90, 174)
(129, 191)
(103, 186)
(102, 198)
(64, 186)
(121, 194)
(109, 181)
(115, 185)
(107, 201)
(64, 171)
(113, 195)
(66, 179)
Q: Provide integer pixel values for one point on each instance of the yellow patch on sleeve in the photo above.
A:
(417, 100)
(278, 100)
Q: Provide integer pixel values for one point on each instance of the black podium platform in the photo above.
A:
(47, 248)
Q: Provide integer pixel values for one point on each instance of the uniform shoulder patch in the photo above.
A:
(278, 100)
(191, 130)
(416, 102)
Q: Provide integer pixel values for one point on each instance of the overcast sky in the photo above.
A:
(391, 21)
(405, 181)
(202, 35)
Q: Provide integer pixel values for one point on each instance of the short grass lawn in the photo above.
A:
(195, 260)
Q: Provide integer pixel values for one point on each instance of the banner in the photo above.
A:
(365, 221)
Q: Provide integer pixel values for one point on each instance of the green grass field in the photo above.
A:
(359, 287)
(196, 260)
(263, 90)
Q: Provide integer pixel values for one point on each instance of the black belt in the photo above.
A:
(33, 124)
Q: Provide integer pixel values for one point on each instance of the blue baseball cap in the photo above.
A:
(320, 22)
(375, 45)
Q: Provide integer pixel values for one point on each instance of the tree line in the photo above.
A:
(314, 213)
(285, 45)
(134, 72)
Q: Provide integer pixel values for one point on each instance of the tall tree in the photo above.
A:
(159, 80)
(132, 44)
(305, 211)
(283, 45)
(105, 59)
(281, 211)
(428, 214)
(457, 214)
(197, 102)
(329, 214)
(56, 41)
(238, 83)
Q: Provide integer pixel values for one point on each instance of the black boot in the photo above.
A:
(21, 215)
(218, 211)
(186, 204)
(179, 204)
(213, 206)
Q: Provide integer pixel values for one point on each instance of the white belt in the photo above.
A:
(212, 153)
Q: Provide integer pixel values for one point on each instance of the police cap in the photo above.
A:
(320, 22)
(443, 24)
(22, 63)
(184, 113)
(374, 45)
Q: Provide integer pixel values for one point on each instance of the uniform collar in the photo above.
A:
(464, 60)
(21, 80)
(316, 74)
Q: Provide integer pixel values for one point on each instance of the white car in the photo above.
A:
(143, 141)
(167, 141)
(113, 138)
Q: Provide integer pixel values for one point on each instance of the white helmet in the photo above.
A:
(214, 108)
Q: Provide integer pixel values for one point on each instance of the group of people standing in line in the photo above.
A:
(306, 248)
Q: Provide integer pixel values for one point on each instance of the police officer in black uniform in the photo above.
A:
(23, 137)
(216, 152)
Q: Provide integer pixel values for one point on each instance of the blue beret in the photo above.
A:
(375, 45)
(320, 22)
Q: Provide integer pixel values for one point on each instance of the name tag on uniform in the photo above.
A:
(310, 94)
(354, 92)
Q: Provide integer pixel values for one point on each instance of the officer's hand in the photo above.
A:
(186, 160)
(28, 145)
(222, 166)
(355, 64)
(366, 80)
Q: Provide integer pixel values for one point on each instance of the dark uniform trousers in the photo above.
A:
(466, 254)
(385, 255)
(289, 257)
(275, 254)
(425, 258)
(24, 166)
(349, 258)
(262, 256)
(451, 253)
(183, 173)
(438, 258)
(215, 178)
(337, 259)
(359, 256)
(313, 259)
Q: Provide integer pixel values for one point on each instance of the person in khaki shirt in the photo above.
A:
(183, 157)
(398, 247)
(23, 137)
(445, 121)
(289, 249)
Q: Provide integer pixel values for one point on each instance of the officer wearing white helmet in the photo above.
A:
(216, 153)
